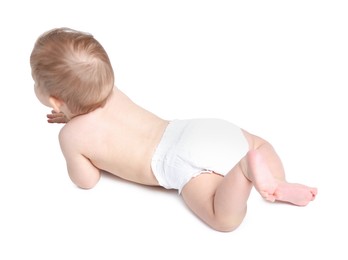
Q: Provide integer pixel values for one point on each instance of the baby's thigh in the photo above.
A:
(199, 194)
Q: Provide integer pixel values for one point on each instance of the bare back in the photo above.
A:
(119, 138)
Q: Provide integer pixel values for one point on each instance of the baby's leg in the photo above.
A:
(272, 188)
(264, 168)
(222, 201)
(219, 201)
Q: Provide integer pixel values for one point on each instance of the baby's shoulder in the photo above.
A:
(72, 139)
(72, 131)
(80, 128)
(67, 133)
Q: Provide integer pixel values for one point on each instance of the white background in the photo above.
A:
(276, 68)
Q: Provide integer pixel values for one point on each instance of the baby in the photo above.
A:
(212, 163)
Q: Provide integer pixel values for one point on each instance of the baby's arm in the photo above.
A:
(81, 171)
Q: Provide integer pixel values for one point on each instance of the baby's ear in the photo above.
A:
(56, 103)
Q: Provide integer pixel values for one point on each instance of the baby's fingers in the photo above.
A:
(56, 118)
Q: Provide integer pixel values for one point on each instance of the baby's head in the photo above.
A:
(72, 67)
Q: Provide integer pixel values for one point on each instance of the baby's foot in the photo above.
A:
(294, 193)
(272, 189)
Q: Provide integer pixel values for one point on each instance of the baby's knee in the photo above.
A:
(227, 225)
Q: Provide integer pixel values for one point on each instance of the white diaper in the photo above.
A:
(191, 147)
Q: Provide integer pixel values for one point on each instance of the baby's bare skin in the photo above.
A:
(119, 138)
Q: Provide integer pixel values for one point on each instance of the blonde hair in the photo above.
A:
(74, 67)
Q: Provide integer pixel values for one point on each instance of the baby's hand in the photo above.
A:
(55, 117)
